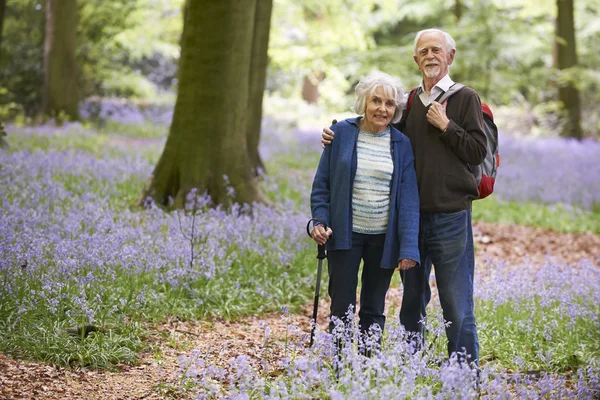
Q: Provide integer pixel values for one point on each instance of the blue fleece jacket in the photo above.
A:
(331, 196)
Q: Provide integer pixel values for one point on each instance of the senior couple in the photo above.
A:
(396, 190)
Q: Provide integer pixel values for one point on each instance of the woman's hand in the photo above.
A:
(405, 264)
(320, 235)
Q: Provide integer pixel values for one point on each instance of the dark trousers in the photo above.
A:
(446, 241)
(343, 280)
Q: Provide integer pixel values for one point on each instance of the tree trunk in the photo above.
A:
(310, 87)
(258, 74)
(566, 53)
(458, 10)
(207, 138)
(2, 13)
(60, 96)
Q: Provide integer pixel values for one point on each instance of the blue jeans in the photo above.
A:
(446, 241)
(343, 268)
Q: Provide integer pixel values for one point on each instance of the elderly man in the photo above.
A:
(446, 139)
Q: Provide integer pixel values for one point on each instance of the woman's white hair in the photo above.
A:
(392, 87)
(450, 43)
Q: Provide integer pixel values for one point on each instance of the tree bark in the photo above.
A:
(207, 138)
(60, 96)
(258, 74)
(566, 53)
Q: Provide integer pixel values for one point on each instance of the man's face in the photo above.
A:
(432, 57)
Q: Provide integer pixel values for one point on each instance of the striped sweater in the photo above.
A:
(371, 190)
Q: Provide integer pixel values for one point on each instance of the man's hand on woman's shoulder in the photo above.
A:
(327, 135)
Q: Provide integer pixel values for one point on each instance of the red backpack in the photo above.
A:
(485, 173)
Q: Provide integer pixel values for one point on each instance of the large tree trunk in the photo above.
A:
(566, 54)
(207, 139)
(258, 74)
(60, 94)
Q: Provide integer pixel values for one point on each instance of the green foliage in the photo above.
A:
(128, 47)
(128, 85)
(131, 49)
(21, 64)
(123, 49)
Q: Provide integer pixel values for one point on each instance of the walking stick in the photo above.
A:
(321, 254)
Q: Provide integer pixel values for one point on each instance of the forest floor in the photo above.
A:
(156, 376)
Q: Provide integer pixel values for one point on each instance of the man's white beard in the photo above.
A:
(432, 72)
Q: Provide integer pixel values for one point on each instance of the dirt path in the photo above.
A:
(156, 376)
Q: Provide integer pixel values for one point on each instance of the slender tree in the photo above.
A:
(258, 74)
(208, 136)
(310, 86)
(566, 57)
(312, 80)
(60, 95)
(458, 9)
(2, 13)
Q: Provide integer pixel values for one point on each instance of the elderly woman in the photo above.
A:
(365, 189)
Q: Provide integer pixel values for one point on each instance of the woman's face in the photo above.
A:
(379, 111)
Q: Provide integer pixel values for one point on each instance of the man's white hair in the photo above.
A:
(392, 87)
(450, 43)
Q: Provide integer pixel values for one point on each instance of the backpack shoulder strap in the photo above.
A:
(411, 95)
(400, 124)
(451, 90)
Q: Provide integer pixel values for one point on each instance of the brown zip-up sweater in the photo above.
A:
(442, 160)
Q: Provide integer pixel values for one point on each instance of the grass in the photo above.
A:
(546, 341)
(140, 131)
(559, 218)
(46, 338)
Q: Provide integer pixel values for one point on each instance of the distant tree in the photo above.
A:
(208, 138)
(310, 86)
(2, 10)
(312, 79)
(458, 9)
(3, 142)
(60, 95)
(566, 57)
